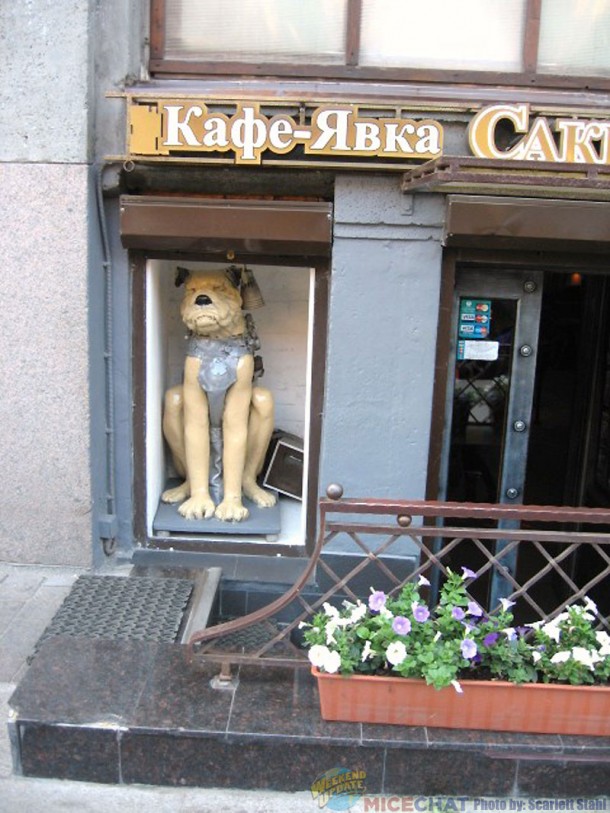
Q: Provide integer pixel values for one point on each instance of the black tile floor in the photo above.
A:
(134, 712)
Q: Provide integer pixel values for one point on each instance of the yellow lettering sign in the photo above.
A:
(177, 127)
(509, 132)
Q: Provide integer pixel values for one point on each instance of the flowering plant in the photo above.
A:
(458, 639)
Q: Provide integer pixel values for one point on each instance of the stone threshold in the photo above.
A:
(126, 712)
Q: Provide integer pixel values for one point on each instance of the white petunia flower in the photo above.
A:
(552, 630)
(423, 582)
(506, 604)
(396, 653)
(331, 628)
(332, 663)
(385, 613)
(603, 639)
(366, 651)
(590, 604)
(318, 654)
(585, 656)
(330, 611)
(560, 657)
(357, 613)
(457, 686)
(536, 656)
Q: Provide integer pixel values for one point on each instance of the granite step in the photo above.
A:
(117, 711)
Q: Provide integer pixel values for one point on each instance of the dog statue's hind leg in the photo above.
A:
(173, 430)
(260, 429)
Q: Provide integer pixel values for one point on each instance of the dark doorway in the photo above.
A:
(528, 401)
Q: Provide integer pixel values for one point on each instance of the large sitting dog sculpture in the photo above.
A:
(217, 424)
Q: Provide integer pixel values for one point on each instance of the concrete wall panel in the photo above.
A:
(382, 337)
(44, 409)
(44, 80)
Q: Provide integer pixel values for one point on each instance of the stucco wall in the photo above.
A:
(44, 425)
(44, 81)
(385, 287)
(45, 503)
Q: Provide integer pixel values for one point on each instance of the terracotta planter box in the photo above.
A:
(493, 705)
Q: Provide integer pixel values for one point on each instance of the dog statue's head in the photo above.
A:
(211, 305)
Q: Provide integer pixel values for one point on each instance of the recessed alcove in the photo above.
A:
(285, 328)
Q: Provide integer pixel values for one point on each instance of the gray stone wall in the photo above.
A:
(44, 424)
(44, 81)
(59, 60)
(44, 409)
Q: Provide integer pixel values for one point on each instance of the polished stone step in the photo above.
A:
(118, 711)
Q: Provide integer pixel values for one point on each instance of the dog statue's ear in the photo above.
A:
(233, 274)
(182, 274)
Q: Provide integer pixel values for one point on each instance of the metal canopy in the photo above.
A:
(255, 227)
(486, 221)
(536, 179)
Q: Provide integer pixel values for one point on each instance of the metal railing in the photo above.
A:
(561, 555)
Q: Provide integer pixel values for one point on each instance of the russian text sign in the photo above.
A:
(508, 131)
(331, 134)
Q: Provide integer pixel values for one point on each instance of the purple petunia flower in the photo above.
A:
(401, 625)
(377, 601)
(474, 609)
(469, 648)
(458, 613)
(491, 638)
(420, 613)
(467, 573)
(469, 627)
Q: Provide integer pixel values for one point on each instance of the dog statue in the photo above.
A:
(217, 424)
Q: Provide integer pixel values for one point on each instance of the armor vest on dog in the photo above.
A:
(218, 371)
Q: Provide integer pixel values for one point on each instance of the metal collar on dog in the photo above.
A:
(219, 358)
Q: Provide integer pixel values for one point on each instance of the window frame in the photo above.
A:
(160, 67)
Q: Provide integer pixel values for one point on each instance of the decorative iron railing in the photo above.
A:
(541, 557)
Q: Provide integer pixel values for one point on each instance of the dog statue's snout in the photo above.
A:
(203, 299)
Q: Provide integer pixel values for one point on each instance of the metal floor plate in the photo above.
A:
(125, 608)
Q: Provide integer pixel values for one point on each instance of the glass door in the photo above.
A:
(490, 392)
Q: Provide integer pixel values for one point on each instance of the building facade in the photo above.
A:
(424, 206)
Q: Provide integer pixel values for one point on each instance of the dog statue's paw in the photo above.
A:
(231, 510)
(258, 495)
(199, 506)
(177, 494)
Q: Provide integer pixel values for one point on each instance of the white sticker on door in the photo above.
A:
(480, 350)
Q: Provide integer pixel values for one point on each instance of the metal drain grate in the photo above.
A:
(249, 640)
(251, 637)
(122, 608)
